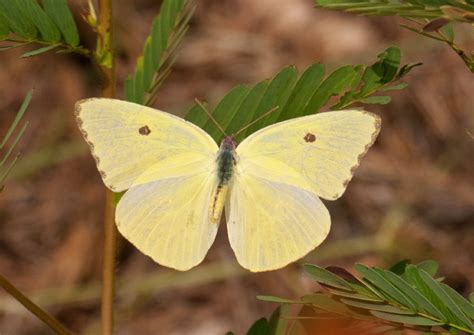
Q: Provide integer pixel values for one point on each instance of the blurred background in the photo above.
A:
(412, 197)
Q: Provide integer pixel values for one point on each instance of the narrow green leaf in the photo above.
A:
(4, 29)
(276, 95)
(301, 96)
(13, 16)
(377, 279)
(197, 115)
(326, 277)
(433, 292)
(270, 298)
(147, 64)
(38, 17)
(278, 322)
(353, 295)
(18, 117)
(324, 302)
(138, 81)
(431, 267)
(130, 89)
(376, 99)
(39, 51)
(463, 304)
(445, 299)
(376, 307)
(406, 319)
(247, 110)
(448, 31)
(404, 70)
(168, 28)
(60, 14)
(422, 304)
(389, 60)
(333, 85)
(260, 327)
(225, 111)
(394, 87)
(399, 267)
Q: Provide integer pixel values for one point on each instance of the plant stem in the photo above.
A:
(49, 320)
(105, 59)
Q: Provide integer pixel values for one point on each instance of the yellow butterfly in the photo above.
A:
(179, 181)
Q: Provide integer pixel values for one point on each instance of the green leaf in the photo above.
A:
(404, 70)
(352, 295)
(422, 304)
(377, 279)
(326, 277)
(406, 319)
(276, 95)
(4, 29)
(466, 306)
(270, 298)
(431, 267)
(168, 28)
(12, 145)
(60, 14)
(48, 30)
(248, 107)
(301, 96)
(432, 290)
(324, 302)
(399, 267)
(394, 87)
(376, 307)
(39, 51)
(19, 115)
(450, 307)
(225, 111)
(377, 99)
(12, 15)
(260, 327)
(333, 85)
(278, 322)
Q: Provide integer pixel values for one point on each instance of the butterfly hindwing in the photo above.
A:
(165, 213)
(271, 224)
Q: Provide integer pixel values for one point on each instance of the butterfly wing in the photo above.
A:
(126, 138)
(168, 167)
(324, 148)
(165, 213)
(272, 224)
(274, 215)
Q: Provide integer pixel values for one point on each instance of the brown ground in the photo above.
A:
(413, 196)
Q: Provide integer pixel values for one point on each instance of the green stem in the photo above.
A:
(49, 320)
(105, 59)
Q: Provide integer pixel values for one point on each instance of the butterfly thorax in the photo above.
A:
(225, 170)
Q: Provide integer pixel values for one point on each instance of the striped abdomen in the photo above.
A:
(225, 171)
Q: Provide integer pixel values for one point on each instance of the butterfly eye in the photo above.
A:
(309, 138)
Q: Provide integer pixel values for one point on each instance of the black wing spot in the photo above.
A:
(309, 138)
(144, 130)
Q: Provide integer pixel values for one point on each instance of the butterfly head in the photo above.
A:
(228, 143)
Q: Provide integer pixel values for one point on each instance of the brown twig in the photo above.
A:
(105, 59)
(49, 320)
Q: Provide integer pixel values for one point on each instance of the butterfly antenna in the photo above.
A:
(257, 119)
(210, 116)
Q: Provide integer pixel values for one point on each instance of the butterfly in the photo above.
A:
(179, 181)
